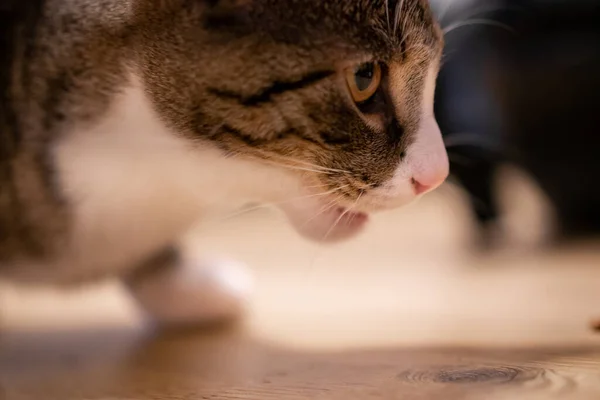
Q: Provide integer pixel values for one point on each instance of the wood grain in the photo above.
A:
(229, 365)
(405, 312)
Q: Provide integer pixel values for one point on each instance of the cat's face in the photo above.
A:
(337, 94)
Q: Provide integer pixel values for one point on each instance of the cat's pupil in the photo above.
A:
(364, 76)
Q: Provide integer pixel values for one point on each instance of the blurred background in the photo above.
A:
(520, 86)
(504, 253)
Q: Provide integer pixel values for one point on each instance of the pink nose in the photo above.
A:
(419, 188)
(424, 184)
(428, 159)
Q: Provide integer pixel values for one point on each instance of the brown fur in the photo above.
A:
(260, 78)
(275, 43)
(63, 67)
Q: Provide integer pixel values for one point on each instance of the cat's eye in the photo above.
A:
(363, 81)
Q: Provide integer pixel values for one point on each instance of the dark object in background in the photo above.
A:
(465, 107)
(531, 98)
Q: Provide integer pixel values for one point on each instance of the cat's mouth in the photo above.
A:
(315, 221)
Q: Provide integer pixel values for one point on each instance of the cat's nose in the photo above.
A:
(419, 187)
(426, 179)
(430, 166)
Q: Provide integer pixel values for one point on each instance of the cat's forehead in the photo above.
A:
(384, 29)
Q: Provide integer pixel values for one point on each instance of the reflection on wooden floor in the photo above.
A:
(404, 312)
(112, 365)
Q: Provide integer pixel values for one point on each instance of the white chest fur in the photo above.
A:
(134, 186)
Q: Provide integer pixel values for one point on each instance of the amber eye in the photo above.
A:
(363, 81)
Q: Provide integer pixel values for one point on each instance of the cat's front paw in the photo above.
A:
(194, 292)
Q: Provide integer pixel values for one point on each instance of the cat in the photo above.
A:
(123, 123)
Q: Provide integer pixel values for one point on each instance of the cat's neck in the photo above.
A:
(130, 145)
(131, 180)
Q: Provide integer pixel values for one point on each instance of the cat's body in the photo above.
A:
(124, 122)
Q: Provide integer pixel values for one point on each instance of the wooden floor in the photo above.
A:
(406, 311)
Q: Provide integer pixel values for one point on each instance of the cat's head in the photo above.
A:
(335, 95)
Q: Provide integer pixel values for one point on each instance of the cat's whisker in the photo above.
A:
(405, 39)
(323, 210)
(405, 19)
(308, 164)
(265, 205)
(484, 10)
(397, 16)
(387, 14)
(444, 11)
(244, 211)
(294, 163)
(353, 217)
(297, 164)
(297, 168)
(477, 21)
(337, 221)
(334, 225)
(478, 11)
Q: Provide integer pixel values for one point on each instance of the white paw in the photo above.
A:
(195, 292)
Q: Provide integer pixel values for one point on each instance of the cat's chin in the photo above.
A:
(333, 225)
